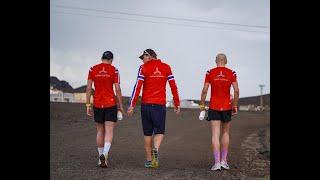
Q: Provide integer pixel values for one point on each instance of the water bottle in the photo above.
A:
(202, 115)
(119, 115)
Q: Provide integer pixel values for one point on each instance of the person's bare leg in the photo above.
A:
(100, 137)
(109, 125)
(225, 140)
(148, 147)
(157, 139)
(215, 130)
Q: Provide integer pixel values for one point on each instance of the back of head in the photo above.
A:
(152, 53)
(107, 55)
(147, 55)
(221, 59)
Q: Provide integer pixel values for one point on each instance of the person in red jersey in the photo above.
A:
(222, 106)
(104, 76)
(153, 76)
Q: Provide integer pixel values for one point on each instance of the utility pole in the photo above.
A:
(261, 93)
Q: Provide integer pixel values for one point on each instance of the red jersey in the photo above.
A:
(220, 79)
(104, 76)
(153, 76)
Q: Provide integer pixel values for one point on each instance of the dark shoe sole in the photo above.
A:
(216, 169)
(103, 161)
(222, 168)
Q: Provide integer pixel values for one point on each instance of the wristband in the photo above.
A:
(88, 105)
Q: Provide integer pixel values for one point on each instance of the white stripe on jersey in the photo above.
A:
(135, 86)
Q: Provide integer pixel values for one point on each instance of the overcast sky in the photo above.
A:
(77, 41)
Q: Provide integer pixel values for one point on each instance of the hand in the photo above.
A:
(202, 107)
(121, 110)
(130, 111)
(89, 111)
(234, 110)
(177, 110)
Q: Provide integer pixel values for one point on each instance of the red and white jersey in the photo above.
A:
(104, 76)
(220, 79)
(153, 76)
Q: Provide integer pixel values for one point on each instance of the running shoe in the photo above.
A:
(99, 162)
(224, 165)
(148, 164)
(216, 166)
(104, 161)
(155, 158)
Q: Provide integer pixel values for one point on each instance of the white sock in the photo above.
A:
(106, 149)
(100, 150)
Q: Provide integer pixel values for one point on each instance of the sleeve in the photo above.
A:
(116, 76)
(137, 87)
(90, 74)
(207, 78)
(173, 86)
(234, 76)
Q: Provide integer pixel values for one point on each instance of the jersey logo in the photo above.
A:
(103, 73)
(157, 73)
(220, 75)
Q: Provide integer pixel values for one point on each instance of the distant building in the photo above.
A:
(247, 108)
(59, 96)
(184, 104)
(252, 107)
(80, 95)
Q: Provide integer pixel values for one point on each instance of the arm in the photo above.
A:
(119, 96)
(88, 96)
(236, 93)
(136, 91)
(116, 82)
(205, 91)
(174, 91)
(235, 98)
(204, 95)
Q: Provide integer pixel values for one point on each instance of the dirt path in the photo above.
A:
(184, 154)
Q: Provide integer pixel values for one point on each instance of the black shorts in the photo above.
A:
(105, 114)
(224, 116)
(153, 119)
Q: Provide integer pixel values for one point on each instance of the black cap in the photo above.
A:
(107, 55)
(148, 52)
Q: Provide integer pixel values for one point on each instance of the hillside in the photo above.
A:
(60, 84)
(244, 101)
(255, 100)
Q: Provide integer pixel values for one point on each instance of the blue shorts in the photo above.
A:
(153, 119)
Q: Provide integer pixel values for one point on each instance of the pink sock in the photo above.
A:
(216, 156)
(224, 154)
